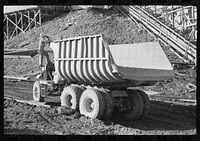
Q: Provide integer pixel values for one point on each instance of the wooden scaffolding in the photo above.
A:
(19, 22)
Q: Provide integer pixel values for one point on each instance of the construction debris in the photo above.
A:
(65, 110)
(16, 77)
(191, 87)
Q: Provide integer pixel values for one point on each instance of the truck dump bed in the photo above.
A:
(90, 60)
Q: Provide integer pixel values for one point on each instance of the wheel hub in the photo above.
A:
(69, 100)
(89, 105)
(36, 91)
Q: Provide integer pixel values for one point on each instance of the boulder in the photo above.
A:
(65, 110)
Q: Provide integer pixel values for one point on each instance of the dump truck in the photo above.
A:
(97, 79)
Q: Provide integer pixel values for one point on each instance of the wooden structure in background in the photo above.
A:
(18, 22)
(180, 18)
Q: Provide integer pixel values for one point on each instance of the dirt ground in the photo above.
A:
(164, 117)
(169, 118)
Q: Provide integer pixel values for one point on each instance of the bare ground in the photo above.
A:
(169, 118)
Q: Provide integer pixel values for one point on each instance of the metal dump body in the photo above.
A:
(89, 60)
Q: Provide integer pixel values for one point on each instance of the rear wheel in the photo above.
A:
(92, 103)
(70, 97)
(147, 104)
(108, 105)
(37, 92)
(134, 106)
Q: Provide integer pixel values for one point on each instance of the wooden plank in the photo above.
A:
(188, 100)
(7, 31)
(16, 23)
(28, 20)
(15, 77)
(43, 104)
(40, 18)
(35, 16)
(22, 21)
(18, 57)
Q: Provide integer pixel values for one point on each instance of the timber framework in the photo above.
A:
(18, 22)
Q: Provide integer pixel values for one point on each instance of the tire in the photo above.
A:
(138, 106)
(70, 97)
(37, 92)
(108, 105)
(146, 102)
(88, 97)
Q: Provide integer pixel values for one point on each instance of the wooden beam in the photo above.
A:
(15, 77)
(17, 57)
(5, 34)
(22, 27)
(172, 14)
(16, 22)
(40, 18)
(4, 18)
(182, 17)
(7, 30)
(35, 16)
(28, 19)
(43, 104)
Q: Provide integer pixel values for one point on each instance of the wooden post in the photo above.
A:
(16, 23)
(28, 18)
(172, 16)
(34, 16)
(7, 30)
(182, 18)
(192, 14)
(40, 18)
(22, 21)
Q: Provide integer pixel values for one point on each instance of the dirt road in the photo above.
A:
(20, 118)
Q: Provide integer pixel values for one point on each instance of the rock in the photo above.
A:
(191, 87)
(58, 133)
(77, 115)
(65, 110)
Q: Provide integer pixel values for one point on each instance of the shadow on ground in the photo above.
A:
(163, 116)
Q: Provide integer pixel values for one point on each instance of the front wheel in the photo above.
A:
(37, 93)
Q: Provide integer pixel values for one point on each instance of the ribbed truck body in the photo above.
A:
(90, 60)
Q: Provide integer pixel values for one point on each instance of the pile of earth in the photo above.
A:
(117, 28)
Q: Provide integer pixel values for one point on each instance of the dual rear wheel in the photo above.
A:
(137, 105)
(93, 103)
